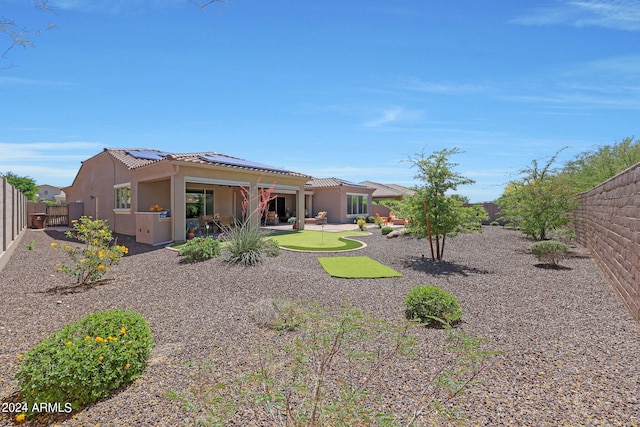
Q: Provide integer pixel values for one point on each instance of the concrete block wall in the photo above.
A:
(609, 226)
(13, 219)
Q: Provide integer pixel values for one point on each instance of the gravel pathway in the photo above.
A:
(571, 353)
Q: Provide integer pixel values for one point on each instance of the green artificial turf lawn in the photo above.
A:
(356, 267)
(308, 240)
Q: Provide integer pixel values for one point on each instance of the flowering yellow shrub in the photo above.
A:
(90, 262)
(77, 365)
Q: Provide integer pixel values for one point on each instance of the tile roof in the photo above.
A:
(331, 182)
(204, 158)
(388, 190)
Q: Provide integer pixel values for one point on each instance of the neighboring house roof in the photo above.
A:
(134, 158)
(332, 182)
(49, 187)
(388, 190)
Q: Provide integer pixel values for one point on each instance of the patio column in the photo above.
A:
(252, 209)
(300, 207)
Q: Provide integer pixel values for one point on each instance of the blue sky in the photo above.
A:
(345, 89)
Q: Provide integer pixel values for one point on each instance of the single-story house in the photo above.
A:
(156, 195)
(343, 201)
(388, 191)
(50, 192)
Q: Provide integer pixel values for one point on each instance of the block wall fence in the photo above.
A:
(609, 226)
(13, 219)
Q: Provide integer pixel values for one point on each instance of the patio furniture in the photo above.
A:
(321, 218)
(226, 221)
(271, 218)
(384, 219)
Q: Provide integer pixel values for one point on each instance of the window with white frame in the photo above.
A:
(357, 204)
(123, 196)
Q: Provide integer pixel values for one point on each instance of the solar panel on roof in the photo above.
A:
(239, 162)
(148, 155)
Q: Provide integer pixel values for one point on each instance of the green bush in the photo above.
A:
(564, 235)
(200, 249)
(248, 245)
(86, 360)
(92, 261)
(550, 251)
(386, 230)
(371, 219)
(432, 306)
(278, 314)
(334, 370)
(362, 224)
(494, 223)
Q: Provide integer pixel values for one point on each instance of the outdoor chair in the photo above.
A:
(226, 221)
(384, 219)
(321, 218)
(271, 218)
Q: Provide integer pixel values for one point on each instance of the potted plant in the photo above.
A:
(191, 231)
(293, 220)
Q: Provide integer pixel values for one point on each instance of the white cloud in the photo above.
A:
(54, 163)
(417, 85)
(387, 116)
(615, 14)
(5, 81)
(393, 115)
(115, 6)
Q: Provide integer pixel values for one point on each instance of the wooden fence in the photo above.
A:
(57, 215)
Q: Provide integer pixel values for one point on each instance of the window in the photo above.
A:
(123, 197)
(199, 202)
(357, 204)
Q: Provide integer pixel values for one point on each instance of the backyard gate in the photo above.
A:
(57, 215)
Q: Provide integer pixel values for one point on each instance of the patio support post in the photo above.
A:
(252, 211)
(300, 207)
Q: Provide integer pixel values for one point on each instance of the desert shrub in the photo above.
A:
(200, 249)
(494, 223)
(550, 251)
(386, 230)
(564, 235)
(91, 261)
(277, 314)
(249, 245)
(431, 305)
(334, 370)
(362, 224)
(86, 360)
(371, 219)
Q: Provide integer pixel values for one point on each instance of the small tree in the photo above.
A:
(24, 184)
(433, 213)
(539, 202)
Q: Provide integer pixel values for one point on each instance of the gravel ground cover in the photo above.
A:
(571, 353)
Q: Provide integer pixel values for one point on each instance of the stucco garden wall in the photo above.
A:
(609, 226)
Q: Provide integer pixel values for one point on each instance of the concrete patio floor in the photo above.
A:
(328, 227)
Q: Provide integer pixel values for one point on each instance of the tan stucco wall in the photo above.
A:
(334, 201)
(97, 178)
(165, 184)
